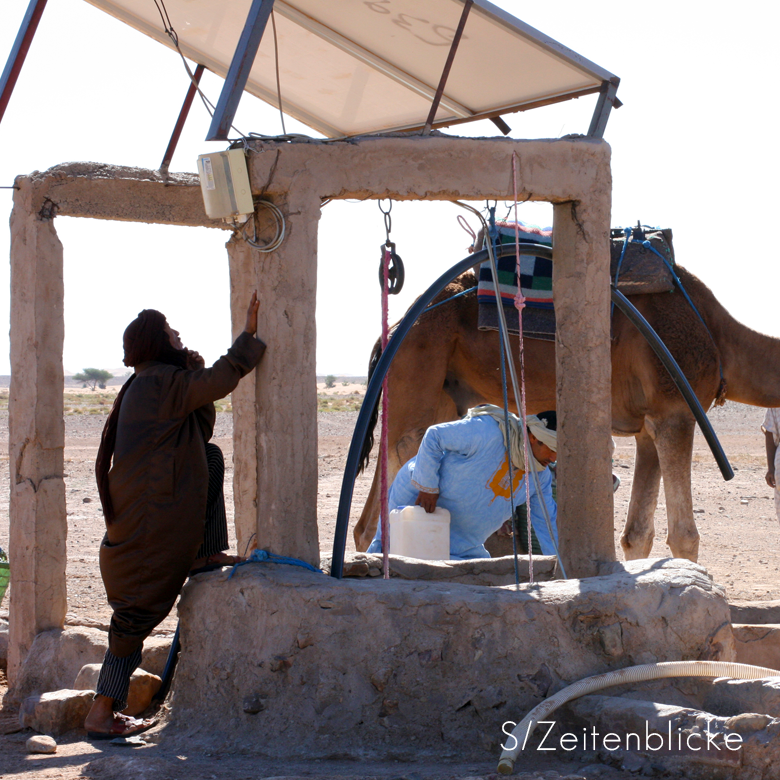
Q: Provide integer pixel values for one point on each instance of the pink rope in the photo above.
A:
(383, 441)
(520, 305)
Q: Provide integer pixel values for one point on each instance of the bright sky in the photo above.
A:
(689, 152)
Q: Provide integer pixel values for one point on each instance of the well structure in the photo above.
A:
(275, 421)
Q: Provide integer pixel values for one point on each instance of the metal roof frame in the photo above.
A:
(238, 72)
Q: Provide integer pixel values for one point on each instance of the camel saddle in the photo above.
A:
(636, 268)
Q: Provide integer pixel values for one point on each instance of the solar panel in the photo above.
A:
(357, 67)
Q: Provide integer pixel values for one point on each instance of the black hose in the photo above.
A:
(670, 364)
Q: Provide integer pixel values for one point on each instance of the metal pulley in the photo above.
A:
(395, 269)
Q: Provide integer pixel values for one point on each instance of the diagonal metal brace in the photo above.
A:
(240, 66)
(19, 51)
(447, 66)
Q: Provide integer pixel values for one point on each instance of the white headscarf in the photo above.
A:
(537, 426)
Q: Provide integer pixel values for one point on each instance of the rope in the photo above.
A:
(504, 355)
(383, 442)
(447, 300)
(520, 305)
(263, 556)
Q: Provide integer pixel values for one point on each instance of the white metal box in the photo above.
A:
(224, 182)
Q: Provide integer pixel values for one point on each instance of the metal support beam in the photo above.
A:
(241, 65)
(19, 51)
(447, 65)
(606, 102)
(185, 110)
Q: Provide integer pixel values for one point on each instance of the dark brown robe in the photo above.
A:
(158, 484)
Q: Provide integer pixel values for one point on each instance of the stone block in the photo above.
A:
(735, 697)
(686, 742)
(55, 712)
(753, 612)
(155, 653)
(55, 659)
(377, 668)
(758, 645)
(143, 686)
(478, 571)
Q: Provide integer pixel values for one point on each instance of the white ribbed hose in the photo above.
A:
(630, 674)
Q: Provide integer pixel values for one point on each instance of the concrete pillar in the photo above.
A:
(38, 524)
(243, 280)
(275, 422)
(584, 371)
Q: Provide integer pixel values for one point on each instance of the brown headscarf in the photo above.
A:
(145, 339)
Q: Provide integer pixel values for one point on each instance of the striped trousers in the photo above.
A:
(114, 679)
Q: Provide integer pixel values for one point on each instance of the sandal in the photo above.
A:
(123, 726)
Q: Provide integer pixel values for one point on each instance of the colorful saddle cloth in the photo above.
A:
(637, 270)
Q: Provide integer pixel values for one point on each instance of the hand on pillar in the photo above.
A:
(251, 315)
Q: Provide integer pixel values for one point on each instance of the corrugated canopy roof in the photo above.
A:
(357, 66)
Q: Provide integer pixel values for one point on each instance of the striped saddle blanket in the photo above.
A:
(637, 269)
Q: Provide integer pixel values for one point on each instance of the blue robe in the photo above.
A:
(465, 462)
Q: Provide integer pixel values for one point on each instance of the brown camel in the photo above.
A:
(447, 365)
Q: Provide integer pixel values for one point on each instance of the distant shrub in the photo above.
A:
(330, 381)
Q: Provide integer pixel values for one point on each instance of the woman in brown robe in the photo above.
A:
(154, 494)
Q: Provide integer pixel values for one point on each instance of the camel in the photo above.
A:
(447, 365)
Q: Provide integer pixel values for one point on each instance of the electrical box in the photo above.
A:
(224, 182)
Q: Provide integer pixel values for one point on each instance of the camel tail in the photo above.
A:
(368, 442)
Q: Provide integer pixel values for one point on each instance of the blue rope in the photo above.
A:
(447, 300)
(263, 556)
(626, 237)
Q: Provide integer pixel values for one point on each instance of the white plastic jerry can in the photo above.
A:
(414, 533)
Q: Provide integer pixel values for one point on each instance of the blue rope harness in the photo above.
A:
(647, 245)
(263, 556)
(626, 236)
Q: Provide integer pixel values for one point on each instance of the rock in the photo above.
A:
(748, 722)
(55, 659)
(758, 645)
(86, 679)
(143, 686)
(55, 712)
(40, 743)
(155, 654)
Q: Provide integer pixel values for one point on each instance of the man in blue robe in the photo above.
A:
(462, 466)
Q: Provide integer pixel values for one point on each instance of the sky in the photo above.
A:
(692, 150)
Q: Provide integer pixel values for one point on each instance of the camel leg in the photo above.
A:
(674, 442)
(637, 537)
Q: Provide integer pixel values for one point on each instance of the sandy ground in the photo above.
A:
(740, 547)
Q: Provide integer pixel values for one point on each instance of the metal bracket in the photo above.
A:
(606, 102)
(240, 66)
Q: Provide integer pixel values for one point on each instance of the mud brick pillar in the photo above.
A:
(38, 523)
(275, 411)
(583, 368)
